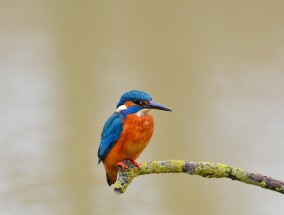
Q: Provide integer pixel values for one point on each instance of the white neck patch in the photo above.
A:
(120, 108)
(143, 112)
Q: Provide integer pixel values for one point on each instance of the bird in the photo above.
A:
(127, 132)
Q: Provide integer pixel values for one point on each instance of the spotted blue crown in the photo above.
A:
(134, 95)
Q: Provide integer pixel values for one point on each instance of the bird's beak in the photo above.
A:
(155, 105)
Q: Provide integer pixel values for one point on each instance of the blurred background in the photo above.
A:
(64, 64)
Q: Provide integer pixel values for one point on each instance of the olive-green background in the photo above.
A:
(64, 64)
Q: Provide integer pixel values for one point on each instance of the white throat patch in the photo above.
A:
(120, 108)
(143, 112)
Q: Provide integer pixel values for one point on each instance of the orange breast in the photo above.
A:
(136, 134)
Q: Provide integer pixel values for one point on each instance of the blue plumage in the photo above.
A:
(130, 110)
(134, 95)
(110, 134)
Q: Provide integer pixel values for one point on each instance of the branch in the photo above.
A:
(204, 169)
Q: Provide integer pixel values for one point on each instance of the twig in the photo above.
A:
(204, 169)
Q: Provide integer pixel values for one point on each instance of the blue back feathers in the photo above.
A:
(114, 125)
(110, 134)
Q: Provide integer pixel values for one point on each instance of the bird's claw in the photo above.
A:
(135, 163)
(123, 165)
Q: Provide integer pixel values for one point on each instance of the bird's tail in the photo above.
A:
(111, 175)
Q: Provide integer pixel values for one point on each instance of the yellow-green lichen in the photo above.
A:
(210, 170)
(168, 166)
(205, 169)
(279, 189)
(239, 174)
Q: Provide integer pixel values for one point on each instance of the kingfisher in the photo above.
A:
(127, 132)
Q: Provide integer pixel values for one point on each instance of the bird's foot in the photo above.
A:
(122, 164)
(135, 163)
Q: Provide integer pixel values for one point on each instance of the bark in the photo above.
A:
(204, 169)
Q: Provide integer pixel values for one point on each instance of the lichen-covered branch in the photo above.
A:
(204, 169)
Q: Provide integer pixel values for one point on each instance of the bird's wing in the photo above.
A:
(110, 134)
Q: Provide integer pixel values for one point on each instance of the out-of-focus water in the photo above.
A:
(64, 65)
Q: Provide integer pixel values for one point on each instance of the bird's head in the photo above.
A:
(138, 100)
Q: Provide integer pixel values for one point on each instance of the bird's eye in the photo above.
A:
(140, 102)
